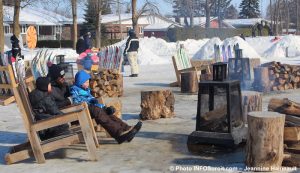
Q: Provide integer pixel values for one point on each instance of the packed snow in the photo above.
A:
(155, 51)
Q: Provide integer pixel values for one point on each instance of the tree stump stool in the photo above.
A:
(265, 140)
(157, 104)
(261, 79)
(189, 82)
(251, 101)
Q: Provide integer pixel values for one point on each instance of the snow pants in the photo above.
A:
(132, 58)
(112, 124)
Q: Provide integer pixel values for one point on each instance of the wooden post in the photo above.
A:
(251, 101)
(261, 79)
(189, 82)
(157, 104)
(265, 140)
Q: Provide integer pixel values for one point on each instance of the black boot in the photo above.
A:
(126, 136)
(137, 127)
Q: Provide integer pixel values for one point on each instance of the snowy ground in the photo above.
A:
(159, 146)
(161, 143)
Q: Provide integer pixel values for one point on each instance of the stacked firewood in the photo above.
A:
(291, 136)
(283, 76)
(107, 83)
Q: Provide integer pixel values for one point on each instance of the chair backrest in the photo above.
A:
(23, 102)
(182, 59)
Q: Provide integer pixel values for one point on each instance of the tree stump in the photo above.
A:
(189, 82)
(251, 101)
(261, 79)
(265, 140)
(157, 104)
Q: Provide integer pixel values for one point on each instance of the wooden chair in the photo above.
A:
(37, 148)
(181, 64)
(6, 92)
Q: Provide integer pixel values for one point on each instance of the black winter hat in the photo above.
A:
(42, 83)
(55, 72)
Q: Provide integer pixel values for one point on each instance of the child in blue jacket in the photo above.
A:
(118, 129)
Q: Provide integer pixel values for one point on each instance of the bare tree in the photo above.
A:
(287, 14)
(297, 16)
(16, 23)
(208, 5)
(74, 15)
(148, 7)
(1, 28)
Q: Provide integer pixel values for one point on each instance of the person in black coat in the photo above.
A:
(131, 52)
(15, 47)
(44, 106)
(60, 88)
(80, 45)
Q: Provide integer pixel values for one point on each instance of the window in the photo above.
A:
(141, 30)
(6, 29)
(23, 29)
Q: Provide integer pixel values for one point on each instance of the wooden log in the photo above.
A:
(189, 82)
(265, 139)
(251, 101)
(291, 160)
(261, 79)
(292, 134)
(284, 106)
(157, 104)
(215, 114)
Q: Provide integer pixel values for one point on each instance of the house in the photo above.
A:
(113, 23)
(49, 25)
(158, 30)
(246, 23)
(201, 21)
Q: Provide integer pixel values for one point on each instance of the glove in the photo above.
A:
(100, 105)
(94, 101)
(110, 110)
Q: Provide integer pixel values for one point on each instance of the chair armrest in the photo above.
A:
(72, 108)
(188, 69)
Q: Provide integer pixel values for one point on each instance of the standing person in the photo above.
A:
(15, 47)
(87, 40)
(242, 36)
(80, 45)
(44, 106)
(131, 51)
(104, 116)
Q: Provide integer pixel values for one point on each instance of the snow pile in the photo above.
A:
(207, 50)
(248, 51)
(278, 50)
(192, 46)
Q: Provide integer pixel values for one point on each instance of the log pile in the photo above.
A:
(291, 129)
(283, 76)
(107, 83)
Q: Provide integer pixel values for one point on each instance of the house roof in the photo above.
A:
(34, 16)
(201, 21)
(160, 26)
(240, 23)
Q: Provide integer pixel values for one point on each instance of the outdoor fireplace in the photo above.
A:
(239, 67)
(219, 71)
(219, 115)
(219, 106)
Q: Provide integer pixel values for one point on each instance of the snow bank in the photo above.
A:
(207, 50)
(278, 49)
(192, 46)
(248, 51)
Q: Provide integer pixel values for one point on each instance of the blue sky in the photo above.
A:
(166, 8)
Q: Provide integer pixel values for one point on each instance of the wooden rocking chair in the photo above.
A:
(37, 148)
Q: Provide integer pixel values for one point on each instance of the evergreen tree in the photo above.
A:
(249, 9)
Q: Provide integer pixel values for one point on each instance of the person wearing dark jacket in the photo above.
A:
(15, 47)
(113, 125)
(87, 40)
(80, 45)
(131, 51)
(44, 106)
(60, 88)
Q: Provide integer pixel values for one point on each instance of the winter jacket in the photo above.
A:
(61, 94)
(15, 47)
(44, 106)
(80, 45)
(87, 42)
(79, 94)
(132, 44)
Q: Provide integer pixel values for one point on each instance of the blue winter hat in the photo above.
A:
(81, 77)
